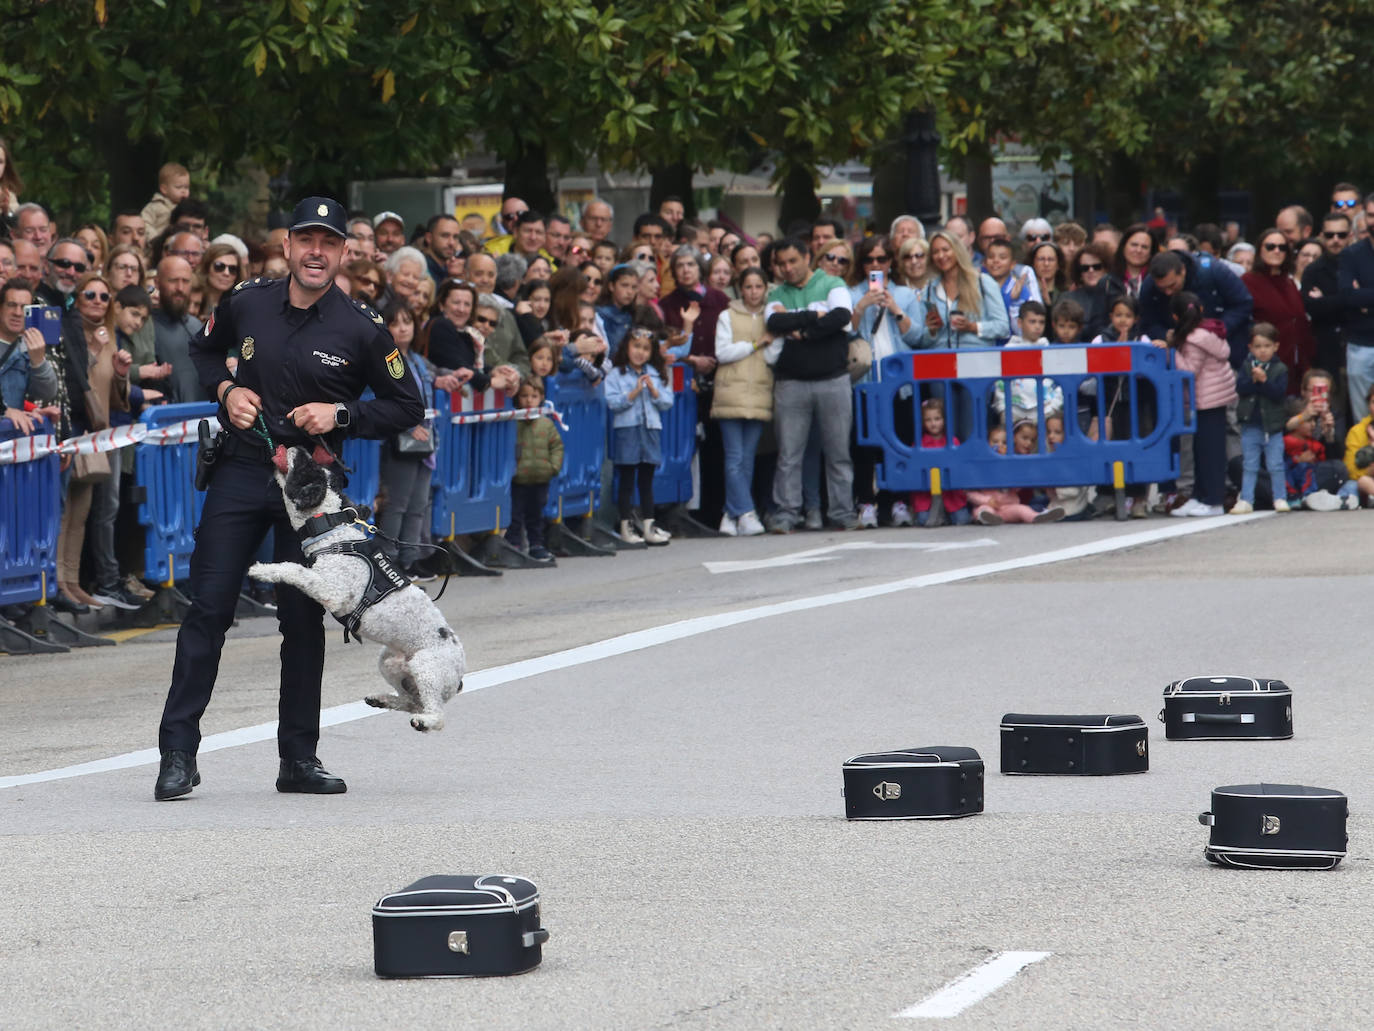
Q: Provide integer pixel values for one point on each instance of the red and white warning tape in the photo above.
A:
(29, 449)
(467, 418)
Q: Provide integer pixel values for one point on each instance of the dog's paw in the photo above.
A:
(382, 701)
(264, 571)
(425, 723)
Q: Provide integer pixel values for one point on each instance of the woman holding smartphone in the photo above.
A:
(964, 307)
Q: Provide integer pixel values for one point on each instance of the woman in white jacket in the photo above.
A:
(743, 400)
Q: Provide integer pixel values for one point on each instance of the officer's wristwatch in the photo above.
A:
(342, 417)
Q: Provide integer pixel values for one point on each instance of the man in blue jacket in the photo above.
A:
(1356, 277)
(1223, 297)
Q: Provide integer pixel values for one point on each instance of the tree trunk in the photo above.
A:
(1122, 192)
(799, 200)
(132, 167)
(978, 180)
(527, 177)
(673, 180)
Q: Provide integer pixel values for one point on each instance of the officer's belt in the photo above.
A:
(322, 535)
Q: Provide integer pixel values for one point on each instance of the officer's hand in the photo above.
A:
(315, 418)
(243, 406)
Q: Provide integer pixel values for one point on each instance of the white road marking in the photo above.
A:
(974, 986)
(801, 558)
(654, 636)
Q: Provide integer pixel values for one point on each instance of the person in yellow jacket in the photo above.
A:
(1359, 452)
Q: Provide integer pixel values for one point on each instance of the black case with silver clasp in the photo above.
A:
(1227, 708)
(932, 783)
(1083, 746)
(458, 926)
(1276, 827)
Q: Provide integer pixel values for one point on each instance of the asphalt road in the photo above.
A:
(676, 796)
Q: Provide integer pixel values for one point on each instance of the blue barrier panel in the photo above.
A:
(1136, 383)
(30, 511)
(576, 490)
(364, 457)
(673, 479)
(171, 505)
(474, 466)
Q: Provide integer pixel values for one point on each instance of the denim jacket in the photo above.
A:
(993, 324)
(643, 410)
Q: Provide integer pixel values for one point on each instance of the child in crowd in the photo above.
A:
(1024, 403)
(1075, 501)
(543, 354)
(1359, 453)
(1262, 383)
(538, 459)
(1330, 488)
(173, 187)
(1197, 349)
(1125, 323)
(1067, 319)
(954, 503)
(994, 507)
(637, 395)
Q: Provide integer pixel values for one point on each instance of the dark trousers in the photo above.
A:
(1209, 456)
(243, 502)
(625, 489)
(527, 501)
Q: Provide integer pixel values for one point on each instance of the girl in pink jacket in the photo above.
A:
(1199, 350)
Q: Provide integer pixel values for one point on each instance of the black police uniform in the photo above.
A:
(329, 352)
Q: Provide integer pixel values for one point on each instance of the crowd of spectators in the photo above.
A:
(774, 329)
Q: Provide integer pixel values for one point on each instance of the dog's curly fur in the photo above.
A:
(422, 658)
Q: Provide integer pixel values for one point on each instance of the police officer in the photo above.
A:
(306, 352)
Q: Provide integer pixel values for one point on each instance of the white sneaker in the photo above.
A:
(1282, 506)
(748, 525)
(655, 535)
(901, 514)
(1188, 508)
(868, 517)
(1350, 502)
(1206, 511)
(728, 527)
(1242, 507)
(1322, 501)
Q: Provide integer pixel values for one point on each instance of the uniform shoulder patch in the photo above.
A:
(369, 312)
(248, 284)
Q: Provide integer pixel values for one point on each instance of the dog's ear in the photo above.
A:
(279, 458)
(322, 457)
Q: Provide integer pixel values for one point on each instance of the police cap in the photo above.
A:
(322, 212)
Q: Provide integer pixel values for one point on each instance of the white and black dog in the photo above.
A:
(422, 658)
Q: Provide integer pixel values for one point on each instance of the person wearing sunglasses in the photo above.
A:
(1278, 302)
(1345, 198)
(65, 264)
(1035, 231)
(1321, 296)
(1093, 288)
(220, 270)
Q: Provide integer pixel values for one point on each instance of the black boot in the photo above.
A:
(176, 776)
(308, 777)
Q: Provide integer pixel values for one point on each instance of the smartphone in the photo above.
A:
(45, 318)
(877, 282)
(1320, 391)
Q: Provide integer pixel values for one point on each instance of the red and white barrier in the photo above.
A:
(29, 449)
(1021, 361)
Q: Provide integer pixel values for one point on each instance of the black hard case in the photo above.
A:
(1085, 746)
(932, 783)
(458, 926)
(1276, 827)
(1227, 709)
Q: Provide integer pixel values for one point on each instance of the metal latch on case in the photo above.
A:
(886, 791)
(1269, 824)
(458, 942)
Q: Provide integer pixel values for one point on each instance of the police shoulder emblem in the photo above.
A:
(246, 349)
(395, 365)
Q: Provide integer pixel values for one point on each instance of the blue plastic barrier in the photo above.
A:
(171, 505)
(673, 479)
(364, 457)
(1136, 457)
(474, 466)
(30, 511)
(577, 489)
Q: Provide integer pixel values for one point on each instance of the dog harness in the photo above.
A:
(324, 534)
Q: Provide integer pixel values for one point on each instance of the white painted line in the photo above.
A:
(829, 554)
(654, 636)
(972, 987)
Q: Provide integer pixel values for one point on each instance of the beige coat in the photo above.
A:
(744, 388)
